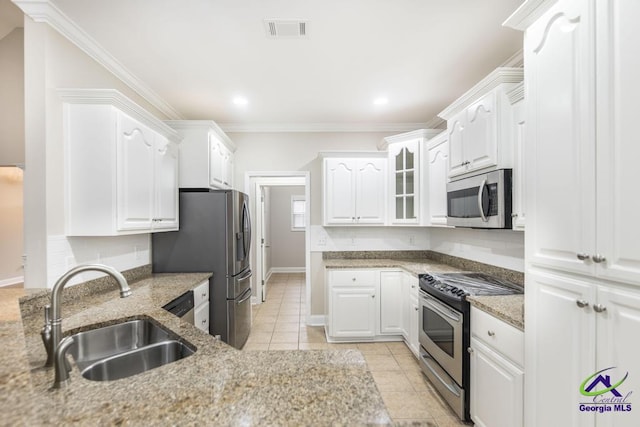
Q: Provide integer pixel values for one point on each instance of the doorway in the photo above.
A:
(258, 186)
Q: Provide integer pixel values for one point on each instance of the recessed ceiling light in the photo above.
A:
(240, 101)
(380, 101)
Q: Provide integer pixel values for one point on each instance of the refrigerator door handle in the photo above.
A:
(246, 276)
(245, 298)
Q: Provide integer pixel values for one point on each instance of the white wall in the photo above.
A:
(11, 242)
(287, 247)
(52, 62)
(12, 98)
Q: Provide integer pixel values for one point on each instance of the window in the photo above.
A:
(298, 208)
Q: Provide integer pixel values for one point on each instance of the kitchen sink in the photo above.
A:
(136, 361)
(125, 349)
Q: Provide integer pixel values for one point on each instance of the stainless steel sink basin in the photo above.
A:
(125, 349)
(136, 361)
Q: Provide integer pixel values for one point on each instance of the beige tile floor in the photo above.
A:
(279, 324)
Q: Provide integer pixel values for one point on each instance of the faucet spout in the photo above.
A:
(56, 298)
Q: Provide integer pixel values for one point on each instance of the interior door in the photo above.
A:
(264, 243)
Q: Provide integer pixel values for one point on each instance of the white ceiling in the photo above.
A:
(200, 54)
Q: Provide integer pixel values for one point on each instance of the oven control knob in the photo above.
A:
(429, 278)
(460, 293)
(453, 290)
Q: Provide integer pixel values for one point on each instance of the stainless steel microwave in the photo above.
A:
(480, 201)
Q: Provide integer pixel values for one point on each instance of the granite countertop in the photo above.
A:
(217, 385)
(509, 308)
(412, 266)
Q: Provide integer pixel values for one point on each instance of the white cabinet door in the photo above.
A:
(496, 389)
(391, 303)
(370, 200)
(438, 167)
(166, 184)
(135, 163)
(480, 148)
(559, 92)
(618, 234)
(559, 348)
(353, 312)
(518, 192)
(216, 162)
(201, 317)
(404, 165)
(455, 131)
(618, 346)
(339, 191)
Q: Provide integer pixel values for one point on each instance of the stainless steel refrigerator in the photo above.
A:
(214, 235)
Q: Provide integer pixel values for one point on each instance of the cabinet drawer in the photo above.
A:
(201, 317)
(353, 277)
(201, 293)
(498, 335)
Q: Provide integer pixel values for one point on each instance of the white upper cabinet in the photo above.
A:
(355, 190)
(407, 204)
(437, 170)
(518, 120)
(478, 125)
(580, 139)
(206, 155)
(121, 166)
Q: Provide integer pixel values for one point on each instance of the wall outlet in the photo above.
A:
(322, 241)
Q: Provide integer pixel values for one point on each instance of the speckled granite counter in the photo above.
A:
(411, 265)
(509, 308)
(217, 385)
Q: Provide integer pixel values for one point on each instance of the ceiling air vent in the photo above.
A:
(286, 28)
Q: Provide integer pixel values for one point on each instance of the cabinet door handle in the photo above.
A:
(598, 258)
(582, 303)
(469, 350)
(353, 279)
(373, 296)
(204, 321)
(416, 308)
(491, 333)
(599, 308)
(583, 256)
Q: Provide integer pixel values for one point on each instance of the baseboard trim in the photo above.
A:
(268, 276)
(316, 320)
(287, 270)
(11, 281)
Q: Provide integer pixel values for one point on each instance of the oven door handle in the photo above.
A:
(480, 194)
(439, 310)
(427, 363)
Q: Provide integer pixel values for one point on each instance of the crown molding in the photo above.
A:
(436, 123)
(350, 154)
(183, 125)
(114, 98)
(46, 12)
(527, 13)
(319, 127)
(497, 77)
(407, 136)
(516, 93)
(515, 61)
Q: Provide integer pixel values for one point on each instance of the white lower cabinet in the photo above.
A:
(412, 323)
(496, 372)
(582, 327)
(201, 306)
(391, 303)
(352, 312)
(372, 305)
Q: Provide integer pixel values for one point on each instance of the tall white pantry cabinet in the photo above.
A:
(582, 244)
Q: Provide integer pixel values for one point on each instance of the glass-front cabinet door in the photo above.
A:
(404, 159)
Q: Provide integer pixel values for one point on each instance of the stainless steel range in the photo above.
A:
(444, 330)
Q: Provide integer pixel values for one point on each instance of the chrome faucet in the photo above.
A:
(52, 331)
